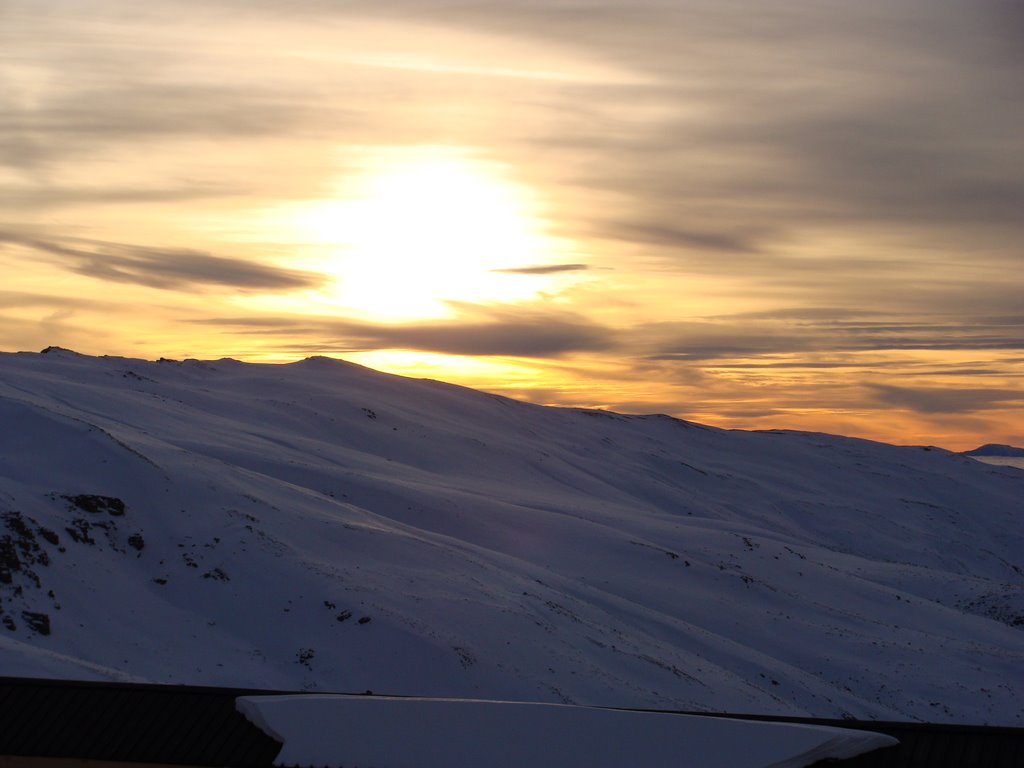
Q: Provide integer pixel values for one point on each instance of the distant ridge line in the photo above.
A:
(996, 449)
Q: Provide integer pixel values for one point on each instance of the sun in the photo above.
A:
(414, 233)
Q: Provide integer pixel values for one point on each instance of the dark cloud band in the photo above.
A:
(489, 332)
(165, 268)
(546, 269)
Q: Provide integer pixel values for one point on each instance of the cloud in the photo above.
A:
(805, 342)
(165, 268)
(751, 126)
(99, 93)
(672, 236)
(770, 124)
(944, 400)
(1006, 20)
(800, 313)
(545, 269)
(810, 334)
(814, 364)
(13, 299)
(29, 197)
(523, 337)
(488, 331)
(705, 341)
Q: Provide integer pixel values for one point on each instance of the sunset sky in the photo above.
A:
(803, 214)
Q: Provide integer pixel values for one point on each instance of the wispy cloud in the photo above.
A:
(28, 196)
(487, 331)
(19, 299)
(166, 268)
(944, 400)
(802, 333)
(676, 237)
(545, 269)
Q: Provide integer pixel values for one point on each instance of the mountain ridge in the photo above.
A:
(320, 525)
(996, 449)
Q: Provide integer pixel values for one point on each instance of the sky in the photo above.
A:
(798, 214)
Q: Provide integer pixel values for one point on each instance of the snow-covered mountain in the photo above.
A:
(322, 526)
(996, 449)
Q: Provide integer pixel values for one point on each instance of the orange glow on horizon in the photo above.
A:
(597, 213)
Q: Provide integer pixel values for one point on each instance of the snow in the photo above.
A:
(320, 526)
(438, 733)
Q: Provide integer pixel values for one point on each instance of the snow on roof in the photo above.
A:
(386, 732)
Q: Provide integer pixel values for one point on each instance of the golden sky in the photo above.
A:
(803, 214)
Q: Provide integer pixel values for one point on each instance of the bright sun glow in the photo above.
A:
(418, 231)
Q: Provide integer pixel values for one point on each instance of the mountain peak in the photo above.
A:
(53, 350)
(996, 449)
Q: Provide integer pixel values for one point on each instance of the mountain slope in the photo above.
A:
(995, 449)
(320, 525)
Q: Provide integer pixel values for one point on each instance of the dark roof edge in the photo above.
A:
(870, 725)
(874, 725)
(128, 685)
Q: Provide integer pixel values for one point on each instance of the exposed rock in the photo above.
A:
(217, 574)
(19, 550)
(96, 504)
(50, 536)
(40, 622)
(79, 531)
